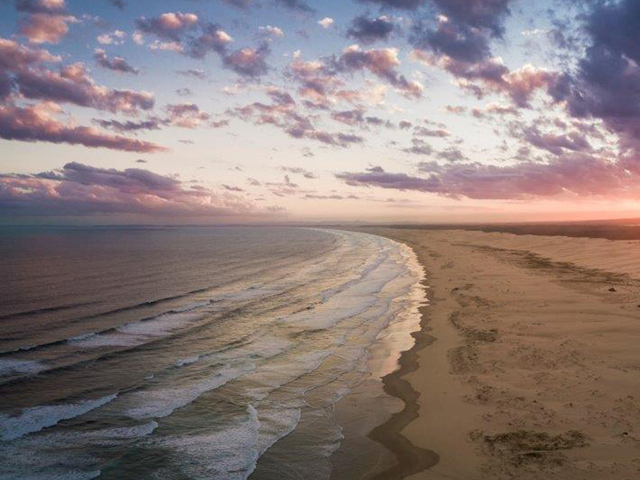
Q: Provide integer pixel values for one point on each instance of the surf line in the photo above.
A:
(411, 459)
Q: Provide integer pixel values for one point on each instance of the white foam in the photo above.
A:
(162, 402)
(35, 419)
(122, 433)
(233, 453)
(229, 454)
(276, 424)
(187, 361)
(138, 333)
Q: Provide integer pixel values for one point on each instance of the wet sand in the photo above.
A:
(528, 362)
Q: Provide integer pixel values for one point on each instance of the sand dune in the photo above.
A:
(535, 367)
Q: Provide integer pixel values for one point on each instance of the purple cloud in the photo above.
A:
(381, 62)
(79, 189)
(368, 31)
(130, 126)
(117, 64)
(574, 174)
(41, 6)
(283, 112)
(35, 123)
(400, 4)
(72, 84)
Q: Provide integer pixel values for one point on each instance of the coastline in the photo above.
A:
(410, 458)
(525, 364)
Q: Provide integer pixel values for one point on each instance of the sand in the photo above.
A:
(528, 364)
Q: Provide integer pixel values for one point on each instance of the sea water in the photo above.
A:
(172, 353)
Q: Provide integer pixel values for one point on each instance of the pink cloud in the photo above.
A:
(168, 25)
(72, 84)
(35, 123)
(575, 174)
(45, 28)
(381, 62)
(186, 115)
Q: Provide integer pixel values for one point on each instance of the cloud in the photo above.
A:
(211, 38)
(130, 126)
(419, 147)
(45, 28)
(118, 3)
(117, 64)
(605, 83)
(169, 26)
(553, 142)
(248, 62)
(271, 31)
(72, 84)
(116, 37)
(23, 72)
(349, 117)
(574, 174)
(452, 154)
(35, 123)
(400, 4)
(41, 6)
(488, 14)
(335, 196)
(187, 34)
(193, 72)
(299, 171)
(458, 42)
(232, 188)
(369, 31)
(377, 177)
(295, 5)
(317, 81)
(238, 3)
(15, 57)
(46, 20)
(326, 22)
(186, 115)
(382, 63)
(79, 189)
(492, 109)
(421, 131)
(283, 112)
(491, 75)
(183, 115)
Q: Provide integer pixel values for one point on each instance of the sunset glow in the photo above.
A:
(283, 111)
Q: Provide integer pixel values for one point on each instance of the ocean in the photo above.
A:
(193, 353)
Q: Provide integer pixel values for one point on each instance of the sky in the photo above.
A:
(290, 111)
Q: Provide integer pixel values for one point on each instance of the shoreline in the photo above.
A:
(411, 459)
(531, 366)
(431, 342)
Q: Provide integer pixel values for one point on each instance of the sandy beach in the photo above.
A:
(528, 365)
